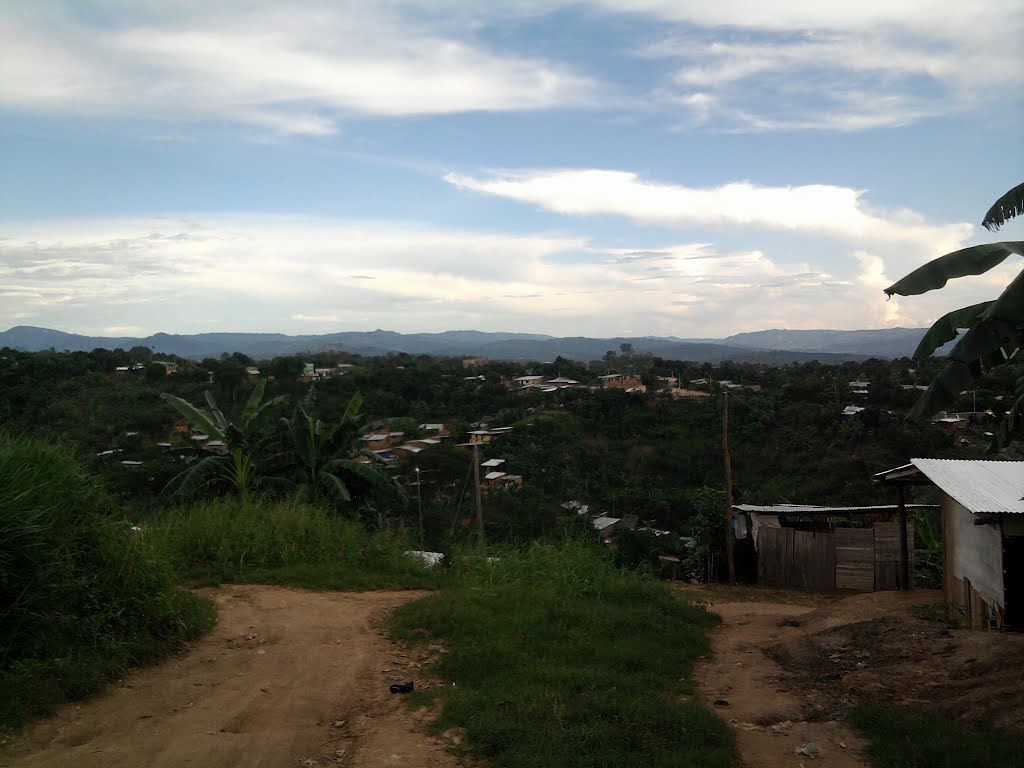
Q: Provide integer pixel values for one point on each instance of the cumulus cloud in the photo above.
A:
(814, 209)
(304, 275)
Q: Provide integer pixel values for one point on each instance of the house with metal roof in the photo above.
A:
(983, 533)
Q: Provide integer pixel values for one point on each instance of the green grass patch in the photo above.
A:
(287, 543)
(81, 598)
(900, 738)
(557, 658)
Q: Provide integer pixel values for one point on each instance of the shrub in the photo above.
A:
(81, 598)
(282, 542)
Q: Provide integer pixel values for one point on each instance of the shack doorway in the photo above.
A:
(1013, 582)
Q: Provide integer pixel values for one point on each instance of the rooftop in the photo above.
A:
(982, 487)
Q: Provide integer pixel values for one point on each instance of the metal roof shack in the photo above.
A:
(983, 534)
(982, 487)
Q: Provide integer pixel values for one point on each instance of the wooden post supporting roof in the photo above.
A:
(904, 546)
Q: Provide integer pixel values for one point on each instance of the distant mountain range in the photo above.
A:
(774, 346)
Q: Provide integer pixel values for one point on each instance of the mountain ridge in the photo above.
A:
(770, 346)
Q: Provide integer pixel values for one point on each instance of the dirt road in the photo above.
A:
(287, 678)
(769, 722)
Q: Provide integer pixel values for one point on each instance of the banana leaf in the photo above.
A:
(975, 260)
(1006, 207)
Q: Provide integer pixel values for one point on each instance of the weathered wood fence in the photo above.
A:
(861, 559)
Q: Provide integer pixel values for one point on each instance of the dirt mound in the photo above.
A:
(287, 678)
(864, 607)
(962, 674)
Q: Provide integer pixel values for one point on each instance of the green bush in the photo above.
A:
(81, 598)
(557, 657)
(283, 542)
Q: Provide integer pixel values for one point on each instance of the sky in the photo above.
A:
(569, 167)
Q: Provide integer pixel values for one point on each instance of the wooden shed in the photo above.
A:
(982, 531)
(801, 546)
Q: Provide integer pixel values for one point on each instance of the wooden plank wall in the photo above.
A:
(860, 559)
(792, 558)
(887, 555)
(855, 559)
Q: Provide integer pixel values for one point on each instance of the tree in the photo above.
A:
(237, 468)
(323, 455)
(995, 329)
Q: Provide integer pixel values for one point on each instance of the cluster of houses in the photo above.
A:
(390, 447)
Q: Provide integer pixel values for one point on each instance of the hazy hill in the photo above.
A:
(886, 342)
(775, 346)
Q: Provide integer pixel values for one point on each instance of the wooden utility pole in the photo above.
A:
(479, 507)
(728, 491)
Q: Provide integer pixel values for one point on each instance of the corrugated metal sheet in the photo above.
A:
(983, 487)
(812, 509)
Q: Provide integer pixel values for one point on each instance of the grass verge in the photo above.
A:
(286, 543)
(81, 599)
(557, 658)
(903, 739)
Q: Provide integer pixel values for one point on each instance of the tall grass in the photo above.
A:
(81, 599)
(900, 738)
(557, 658)
(229, 540)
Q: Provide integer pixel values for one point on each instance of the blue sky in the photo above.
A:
(613, 167)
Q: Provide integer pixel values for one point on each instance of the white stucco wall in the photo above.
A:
(979, 553)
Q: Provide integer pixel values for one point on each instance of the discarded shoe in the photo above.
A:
(402, 687)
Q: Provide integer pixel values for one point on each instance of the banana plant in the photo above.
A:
(994, 329)
(324, 456)
(237, 468)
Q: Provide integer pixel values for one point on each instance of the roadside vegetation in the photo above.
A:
(280, 542)
(554, 656)
(81, 597)
(899, 738)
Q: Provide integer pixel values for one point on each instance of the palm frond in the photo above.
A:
(975, 260)
(196, 416)
(946, 328)
(1005, 208)
(215, 412)
(185, 485)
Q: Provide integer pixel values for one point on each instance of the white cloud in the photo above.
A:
(815, 209)
(302, 275)
(290, 70)
(833, 66)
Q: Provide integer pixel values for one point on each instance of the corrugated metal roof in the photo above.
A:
(983, 487)
(493, 475)
(814, 509)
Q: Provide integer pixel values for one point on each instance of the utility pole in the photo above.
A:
(479, 507)
(728, 490)
(419, 505)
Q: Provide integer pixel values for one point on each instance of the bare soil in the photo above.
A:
(788, 666)
(287, 678)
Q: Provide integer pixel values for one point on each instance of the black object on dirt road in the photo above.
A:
(402, 687)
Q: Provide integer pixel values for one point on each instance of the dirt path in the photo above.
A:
(768, 721)
(287, 678)
(769, 706)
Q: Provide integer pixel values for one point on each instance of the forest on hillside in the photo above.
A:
(647, 453)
